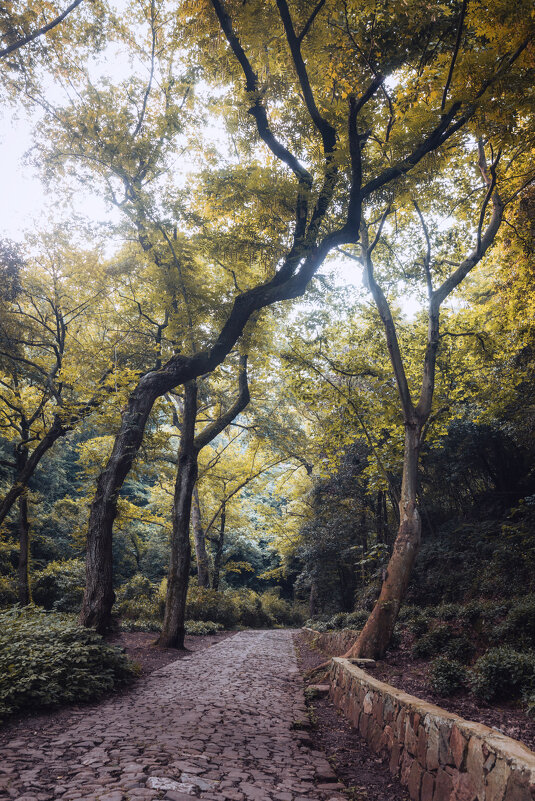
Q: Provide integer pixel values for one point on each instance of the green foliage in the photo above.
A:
(503, 673)
(518, 627)
(433, 642)
(140, 604)
(200, 627)
(8, 591)
(447, 675)
(46, 659)
(281, 612)
(60, 585)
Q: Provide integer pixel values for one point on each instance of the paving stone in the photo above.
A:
(214, 725)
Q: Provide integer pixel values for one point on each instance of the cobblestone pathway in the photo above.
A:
(216, 725)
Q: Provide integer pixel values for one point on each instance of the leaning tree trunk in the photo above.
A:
(218, 556)
(99, 595)
(201, 554)
(26, 471)
(377, 632)
(172, 635)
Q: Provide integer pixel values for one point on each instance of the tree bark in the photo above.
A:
(172, 635)
(377, 632)
(218, 556)
(201, 554)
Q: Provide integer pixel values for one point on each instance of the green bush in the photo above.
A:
(279, 611)
(447, 675)
(206, 604)
(447, 611)
(460, 648)
(46, 659)
(8, 591)
(418, 625)
(357, 619)
(503, 673)
(433, 642)
(199, 627)
(518, 627)
(139, 605)
(60, 585)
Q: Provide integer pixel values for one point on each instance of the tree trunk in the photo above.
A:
(172, 635)
(376, 634)
(218, 556)
(201, 554)
(99, 595)
(313, 601)
(26, 471)
(21, 459)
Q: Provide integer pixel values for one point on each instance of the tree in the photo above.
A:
(172, 634)
(340, 130)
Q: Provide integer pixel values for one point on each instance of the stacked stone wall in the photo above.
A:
(438, 756)
(332, 643)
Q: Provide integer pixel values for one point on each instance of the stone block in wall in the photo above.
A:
(443, 785)
(496, 781)
(428, 787)
(444, 757)
(414, 781)
(459, 747)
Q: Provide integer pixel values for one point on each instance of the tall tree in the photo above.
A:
(342, 136)
(172, 634)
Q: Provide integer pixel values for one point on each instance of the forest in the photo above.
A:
(267, 354)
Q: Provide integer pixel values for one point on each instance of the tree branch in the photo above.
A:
(45, 29)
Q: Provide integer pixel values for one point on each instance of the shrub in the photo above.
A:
(200, 627)
(279, 611)
(46, 659)
(138, 603)
(518, 628)
(447, 611)
(60, 585)
(460, 648)
(206, 604)
(8, 591)
(447, 675)
(357, 619)
(503, 673)
(418, 625)
(433, 642)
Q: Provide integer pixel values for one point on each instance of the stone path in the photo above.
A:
(219, 724)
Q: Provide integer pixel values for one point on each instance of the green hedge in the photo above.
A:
(46, 660)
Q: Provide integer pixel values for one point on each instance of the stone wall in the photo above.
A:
(332, 643)
(439, 756)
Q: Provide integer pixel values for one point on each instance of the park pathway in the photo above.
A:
(218, 724)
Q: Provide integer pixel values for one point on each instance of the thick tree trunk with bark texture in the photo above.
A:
(376, 634)
(172, 635)
(201, 554)
(99, 595)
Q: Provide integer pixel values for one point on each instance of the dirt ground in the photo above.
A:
(351, 759)
(403, 671)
